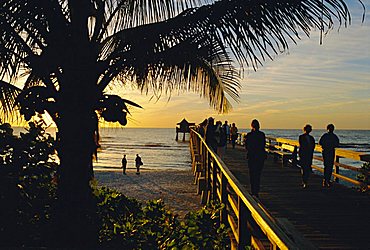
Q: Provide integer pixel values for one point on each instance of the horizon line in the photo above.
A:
(123, 127)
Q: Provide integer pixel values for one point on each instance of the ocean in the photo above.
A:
(160, 151)
(156, 146)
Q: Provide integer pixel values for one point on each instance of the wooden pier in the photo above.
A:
(285, 216)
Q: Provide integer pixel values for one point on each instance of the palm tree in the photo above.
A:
(71, 51)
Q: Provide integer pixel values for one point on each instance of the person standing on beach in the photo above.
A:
(256, 154)
(306, 148)
(328, 141)
(234, 134)
(124, 164)
(138, 163)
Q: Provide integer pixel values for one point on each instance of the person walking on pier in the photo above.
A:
(221, 139)
(306, 148)
(226, 127)
(202, 128)
(210, 134)
(234, 134)
(138, 163)
(124, 164)
(328, 141)
(256, 154)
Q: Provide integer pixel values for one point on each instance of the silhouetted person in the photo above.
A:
(202, 128)
(124, 164)
(218, 128)
(227, 131)
(210, 134)
(256, 154)
(221, 139)
(306, 148)
(138, 163)
(328, 141)
(234, 134)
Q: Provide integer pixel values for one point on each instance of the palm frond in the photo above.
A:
(251, 30)
(23, 27)
(8, 105)
(32, 37)
(201, 65)
(114, 16)
(131, 103)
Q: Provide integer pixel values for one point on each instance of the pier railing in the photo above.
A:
(273, 144)
(250, 223)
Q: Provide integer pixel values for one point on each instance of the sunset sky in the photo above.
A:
(311, 83)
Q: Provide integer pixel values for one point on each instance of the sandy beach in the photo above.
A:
(174, 187)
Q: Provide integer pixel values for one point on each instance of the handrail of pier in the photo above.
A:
(241, 211)
(339, 153)
(344, 153)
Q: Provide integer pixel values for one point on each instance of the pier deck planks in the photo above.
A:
(335, 218)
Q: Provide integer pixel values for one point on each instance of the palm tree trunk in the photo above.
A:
(76, 207)
(76, 144)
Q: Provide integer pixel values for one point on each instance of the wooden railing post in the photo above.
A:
(243, 232)
(336, 168)
(214, 179)
(208, 172)
(224, 201)
(203, 153)
(199, 148)
(198, 144)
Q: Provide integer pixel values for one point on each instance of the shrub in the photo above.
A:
(200, 230)
(28, 195)
(152, 226)
(26, 188)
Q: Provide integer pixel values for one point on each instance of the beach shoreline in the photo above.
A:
(174, 187)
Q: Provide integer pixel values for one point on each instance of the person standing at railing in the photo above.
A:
(221, 139)
(306, 148)
(226, 127)
(328, 141)
(201, 128)
(256, 154)
(210, 134)
(234, 134)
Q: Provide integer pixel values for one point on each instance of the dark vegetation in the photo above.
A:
(364, 176)
(28, 198)
(27, 190)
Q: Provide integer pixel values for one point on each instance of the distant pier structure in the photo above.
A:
(183, 127)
